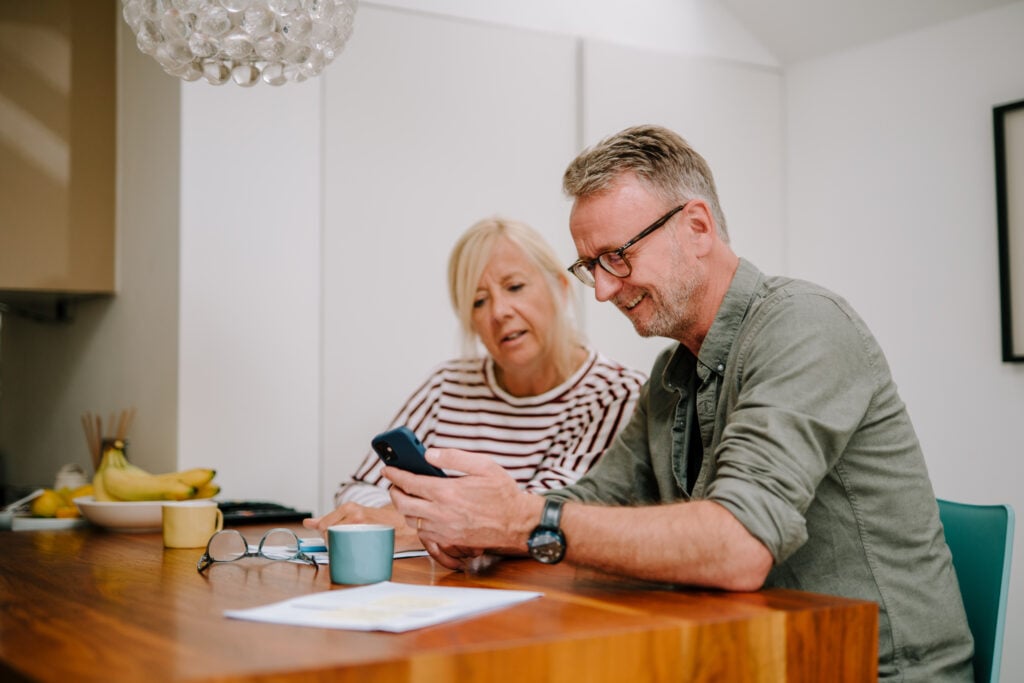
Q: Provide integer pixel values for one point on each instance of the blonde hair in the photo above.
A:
(658, 157)
(468, 260)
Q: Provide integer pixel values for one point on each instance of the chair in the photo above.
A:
(981, 540)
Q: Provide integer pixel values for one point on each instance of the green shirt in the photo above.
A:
(807, 442)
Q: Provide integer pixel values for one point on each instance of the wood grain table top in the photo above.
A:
(91, 605)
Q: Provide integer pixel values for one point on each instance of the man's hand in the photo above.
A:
(353, 513)
(459, 517)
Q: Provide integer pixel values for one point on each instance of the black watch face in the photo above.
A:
(547, 545)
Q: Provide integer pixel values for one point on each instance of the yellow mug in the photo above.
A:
(190, 523)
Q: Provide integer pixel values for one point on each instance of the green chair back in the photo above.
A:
(981, 540)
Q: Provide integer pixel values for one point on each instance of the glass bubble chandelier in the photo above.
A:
(244, 41)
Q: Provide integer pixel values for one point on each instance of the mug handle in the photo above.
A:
(220, 520)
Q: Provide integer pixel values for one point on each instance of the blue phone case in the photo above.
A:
(401, 448)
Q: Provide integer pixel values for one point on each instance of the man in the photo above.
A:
(769, 447)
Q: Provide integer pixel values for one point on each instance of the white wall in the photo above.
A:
(731, 112)
(249, 326)
(420, 143)
(692, 27)
(892, 203)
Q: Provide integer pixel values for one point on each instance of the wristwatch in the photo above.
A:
(547, 542)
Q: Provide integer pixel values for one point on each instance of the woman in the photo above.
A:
(540, 402)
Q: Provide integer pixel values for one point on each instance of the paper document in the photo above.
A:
(318, 551)
(387, 606)
(323, 558)
(411, 553)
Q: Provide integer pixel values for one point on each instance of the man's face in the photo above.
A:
(660, 295)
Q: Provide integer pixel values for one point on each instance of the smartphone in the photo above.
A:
(399, 447)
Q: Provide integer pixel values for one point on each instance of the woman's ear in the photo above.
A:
(566, 285)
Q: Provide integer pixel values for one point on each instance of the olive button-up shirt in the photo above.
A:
(806, 441)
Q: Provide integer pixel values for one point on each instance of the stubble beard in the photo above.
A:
(674, 312)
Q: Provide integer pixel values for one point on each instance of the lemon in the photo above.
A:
(47, 503)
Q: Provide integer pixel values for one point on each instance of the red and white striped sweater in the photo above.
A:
(545, 442)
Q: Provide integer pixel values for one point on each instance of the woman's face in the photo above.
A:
(514, 312)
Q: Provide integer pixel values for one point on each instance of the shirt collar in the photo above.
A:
(714, 351)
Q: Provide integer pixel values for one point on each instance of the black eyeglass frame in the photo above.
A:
(583, 269)
(206, 561)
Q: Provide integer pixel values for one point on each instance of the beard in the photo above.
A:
(674, 311)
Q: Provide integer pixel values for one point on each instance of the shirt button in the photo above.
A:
(721, 367)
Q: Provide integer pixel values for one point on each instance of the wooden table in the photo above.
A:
(88, 605)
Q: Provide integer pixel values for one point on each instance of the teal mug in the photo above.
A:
(360, 553)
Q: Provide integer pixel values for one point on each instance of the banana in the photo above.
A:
(197, 476)
(99, 491)
(125, 484)
(208, 490)
(117, 479)
(121, 480)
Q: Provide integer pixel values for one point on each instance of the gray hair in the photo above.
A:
(658, 157)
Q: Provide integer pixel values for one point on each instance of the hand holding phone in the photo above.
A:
(401, 448)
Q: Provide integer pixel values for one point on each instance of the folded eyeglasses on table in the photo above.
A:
(229, 545)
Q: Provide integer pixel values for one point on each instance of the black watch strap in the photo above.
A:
(551, 517)
(547, 542)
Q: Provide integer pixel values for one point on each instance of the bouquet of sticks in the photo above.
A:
(95, 434)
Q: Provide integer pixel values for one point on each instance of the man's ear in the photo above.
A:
(701, 222)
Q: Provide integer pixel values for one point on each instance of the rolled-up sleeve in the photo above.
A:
(804, 380)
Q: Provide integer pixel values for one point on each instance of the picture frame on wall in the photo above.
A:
(1008, 129)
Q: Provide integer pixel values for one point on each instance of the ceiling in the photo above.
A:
(794, 30)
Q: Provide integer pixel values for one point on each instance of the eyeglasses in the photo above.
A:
(229, 545)
(614, 261)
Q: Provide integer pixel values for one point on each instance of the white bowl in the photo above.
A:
(133, 516)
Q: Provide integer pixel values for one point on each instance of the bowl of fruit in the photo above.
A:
(122, 515)
(128, 498)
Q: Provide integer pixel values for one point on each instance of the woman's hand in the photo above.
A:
(353, 513)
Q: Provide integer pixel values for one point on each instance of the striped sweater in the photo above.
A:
(544, 442)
